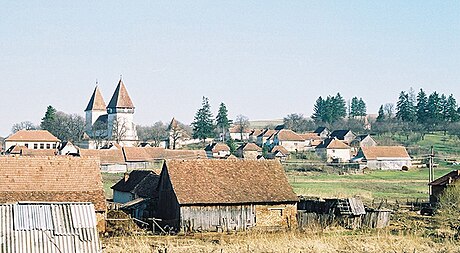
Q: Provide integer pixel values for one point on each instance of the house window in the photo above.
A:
(54, 145)
(276, 211)
(48, 146)
(35, 145)
(42, 146)
(26, 145)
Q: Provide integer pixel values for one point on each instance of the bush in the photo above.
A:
(448, 210)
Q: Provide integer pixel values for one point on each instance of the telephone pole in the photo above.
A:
(430, 168)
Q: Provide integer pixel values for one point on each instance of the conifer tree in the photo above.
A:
(203, 124)
(421, 108)
(48, 121)
(222, 120)
(381, 116)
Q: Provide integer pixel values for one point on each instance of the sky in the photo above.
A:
(263, 59)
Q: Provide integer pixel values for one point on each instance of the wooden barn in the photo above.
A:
(225, 195)
(440, 184)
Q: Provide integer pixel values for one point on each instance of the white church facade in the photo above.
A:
(112, 123)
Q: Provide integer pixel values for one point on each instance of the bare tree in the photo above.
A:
(389, 110)
(158, 133)
(175, 133)
(24, 125)
(99, 133)
(242, 124)
(119, 130)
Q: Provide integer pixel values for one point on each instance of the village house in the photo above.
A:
(32, 139)
(253, 135)
(217, 150)
(67, 148)
(53, 179)
(235, 133)
(289, 139)
(440, 184)
(111, 160)
(249, 151)
(364, 140)
(263, 136)
(322, 132)
(49, 227)
(346, 136)
(225, 195)
(384, 158)
(334, 151)
(311, 140)
(280, 153)
(137, 191)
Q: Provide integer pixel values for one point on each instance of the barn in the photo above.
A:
(225, 195)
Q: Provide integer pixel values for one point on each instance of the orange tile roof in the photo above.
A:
(372, 153)
(51, 179)
(249, 147)
(280, 149)
(96, 102)
(228, 181)
(288, 135)
(120, 98)
(32, 135)
(136, 154)
(333, 143)
(38, 152)
(157, 153)
(266, 133)
(310, 136)
(256, 132)
(106, 156)
(216, 147)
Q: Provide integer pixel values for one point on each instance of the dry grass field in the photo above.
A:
(289, 242)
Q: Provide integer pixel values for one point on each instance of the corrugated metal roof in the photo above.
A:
(48, 227)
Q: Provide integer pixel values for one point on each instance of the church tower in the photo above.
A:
(95, 109)
(121, 127)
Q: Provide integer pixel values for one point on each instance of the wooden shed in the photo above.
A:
(225, 195)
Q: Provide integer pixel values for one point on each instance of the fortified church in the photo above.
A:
(112, 123)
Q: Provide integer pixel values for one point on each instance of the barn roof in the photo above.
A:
(340, 134)
(134, 178)
(266, 133)
(310, 136)
(106, 156)
(320, 130)
(447, 178)
(51, 179)
(38, 152)
(228, 181)
(32, 135)
(279, 149)
(372, 153)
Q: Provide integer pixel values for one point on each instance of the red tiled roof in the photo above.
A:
(310, 136)
(280, 149)
(372, 153)
(32, 135)
(216, 147)
(51, 179)
(228, 181)
(289, 135)
(38, 152)
(249, 147)
(106, 156)
(96, 101)
(120, 98)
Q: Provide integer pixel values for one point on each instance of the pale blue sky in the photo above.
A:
(264, 59)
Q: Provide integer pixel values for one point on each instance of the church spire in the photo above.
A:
(120, 98)
(96, 102)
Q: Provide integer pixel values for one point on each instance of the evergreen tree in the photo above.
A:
(362, 111)
(48, 121)
(381, 116)
(452, 114)
(319, 110)
(202, 124)
(222, 120)
(421, 108)
(339, 108)
(354, 110)
(405, 108)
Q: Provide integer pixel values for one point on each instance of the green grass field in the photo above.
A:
(389, 185)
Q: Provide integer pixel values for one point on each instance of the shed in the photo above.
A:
(48, 227)
(111, 160)
(225, 195)
(440, 184)
(344, 135)
(334, 150)
(249, 151)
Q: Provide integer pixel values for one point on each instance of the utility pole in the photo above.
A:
(430, 167)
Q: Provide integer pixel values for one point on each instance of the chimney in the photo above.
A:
(126, 176)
